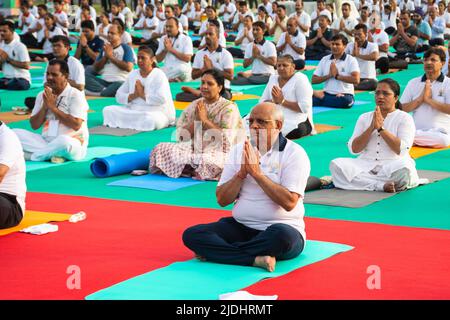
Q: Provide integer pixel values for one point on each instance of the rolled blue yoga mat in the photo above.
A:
(120, 163)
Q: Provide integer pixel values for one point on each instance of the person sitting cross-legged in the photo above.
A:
(293, 42)
(265, 179)
(147, 98)
(340, 72)
(382, 139)
(261, 55)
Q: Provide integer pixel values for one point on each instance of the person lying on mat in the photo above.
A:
(340, 72)
(146, 96)
(366, 53)
(213, 56)
(382, 139)
(265, 178)
(428, 97)
(12, 179)
(175, 50)
(261, 55)
(61, 111)
(293, 42)
(14, 59)
(206, 130)
(292, 92)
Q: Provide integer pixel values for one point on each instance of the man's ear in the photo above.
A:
(279, 124)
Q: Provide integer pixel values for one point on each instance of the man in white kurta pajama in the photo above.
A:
(378, 163)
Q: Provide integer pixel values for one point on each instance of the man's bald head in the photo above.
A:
(265, 123)
(270, 110)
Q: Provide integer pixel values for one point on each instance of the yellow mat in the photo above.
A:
(244, 97)
(321, 128)
(94, 98)
(8, 117)
(179, 105)
(33, 218)
(417, 152)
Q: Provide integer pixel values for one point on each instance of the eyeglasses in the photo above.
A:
(260, 122)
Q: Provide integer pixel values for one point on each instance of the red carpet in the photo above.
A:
(122, 239)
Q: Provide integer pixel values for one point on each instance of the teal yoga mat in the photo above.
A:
(92, 153)
(195, 280)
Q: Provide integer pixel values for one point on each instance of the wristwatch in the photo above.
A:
(380, 129)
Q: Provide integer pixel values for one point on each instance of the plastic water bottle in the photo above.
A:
(80, 216)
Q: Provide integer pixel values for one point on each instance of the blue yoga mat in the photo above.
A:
(156, 182)
(195, 280)
(319, 109)
(120, 163)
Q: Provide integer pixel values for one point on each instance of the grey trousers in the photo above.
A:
(253, 79)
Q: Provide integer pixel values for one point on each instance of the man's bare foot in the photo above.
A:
(265, 262)
(320, 94)
(389, 187)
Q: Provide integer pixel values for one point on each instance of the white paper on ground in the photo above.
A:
(41, 229)
(244, 295)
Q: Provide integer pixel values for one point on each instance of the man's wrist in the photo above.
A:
(241, 175)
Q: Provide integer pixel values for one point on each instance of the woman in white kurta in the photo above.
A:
(146, 97)
(382, 139)
(293, 93)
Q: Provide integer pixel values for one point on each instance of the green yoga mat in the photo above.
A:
(195, 280)
(92, 153)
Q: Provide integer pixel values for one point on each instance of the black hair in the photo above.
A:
(60, 38)
(260, 24)
(9, 24)
(361, 26)
(437, 51)
(287, 57)
(282, 7)
(88, 24)
(395, 87)
(341, 37)
(174, 19)
(42, 6)
(121, 24)
(218, 75)
(63, 66)
(149, 51)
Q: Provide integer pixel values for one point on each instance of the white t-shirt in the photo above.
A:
(73, 102)
(379, 39)
(40, 34)
(119, 16)
(303, 19)
(298, 40)
(446, 17)
(183, 44)
(150, 22)
(228, 16)
(17, 51)
(267, 50)
(62, 16)
(104, 34)
(128, 17)
(245, 41)
(290, 168)
(426, 117)
(30, 21)
(221, 59)
(349, 24)
(204, 28)
(110, 71)
(367, 68)
(298, 89)
(238, 15)
(11, 155)
(345, 65)
(314, 15)
(47, 47)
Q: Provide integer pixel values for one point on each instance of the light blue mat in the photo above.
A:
(195, 280)
(156, 182)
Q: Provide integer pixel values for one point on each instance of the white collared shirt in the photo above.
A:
(228, 16)
(303, 19)
(73, 102)
(150, 22)
(30, 21)
(246, 41)
(267, 50)
(204, 28)
(183, 44)
(297, 89)
(299, 41)
(17, 51)
(367, 68)
(324, 12)
(238, 14)
(290, 168)
(426, 117)
(379, 39)
(221, 59)
(349, 24)
(11, 155)
(345, 67)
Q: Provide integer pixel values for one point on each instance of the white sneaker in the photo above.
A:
(326, 180)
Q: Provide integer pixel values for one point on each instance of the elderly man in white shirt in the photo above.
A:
(266, 180)
(382, 139)
(61, 111)
(12, 179)
(428, 97)
(340, 72)
(293, 42)
(366, 53)
(146, 96)
(176, 50)
(261, 55)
